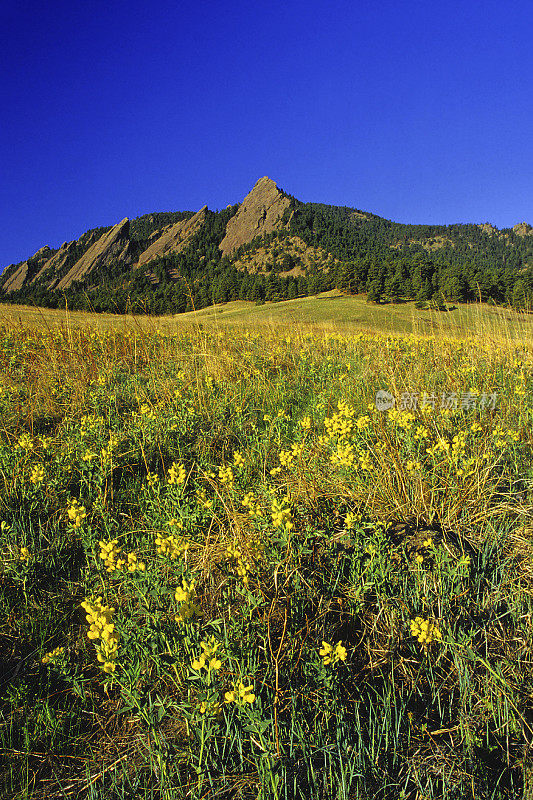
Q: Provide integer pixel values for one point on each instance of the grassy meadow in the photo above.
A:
(226, 573)
(328, 312)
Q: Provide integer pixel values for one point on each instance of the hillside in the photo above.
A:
(271, 246)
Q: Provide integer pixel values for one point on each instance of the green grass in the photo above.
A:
(351, 313)
(325, 312)
(357, 527)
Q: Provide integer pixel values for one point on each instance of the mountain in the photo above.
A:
(271, 246)
(260, 213)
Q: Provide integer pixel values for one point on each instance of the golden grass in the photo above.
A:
(326, 312)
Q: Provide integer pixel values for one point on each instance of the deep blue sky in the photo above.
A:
(416, 111)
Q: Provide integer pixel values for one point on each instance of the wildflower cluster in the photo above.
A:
(238, 459)
(76, 513)
(350, 520)
(207, 659)
(344, 454)
(210, 708)
(253, 505)
(37, 474)
(53, 656)
(152, 479)
(424, 630)
(186, 595)
(340, 424)
(102, 632)
(25, 554)
(286, 457)
(365, 461)
(25, 442)
(177, 474)
(281, 514)
(331, 655)
(170, 546)
(226, 476)
(110, 555)
(244, 565)
(240, 695)
(402, 418)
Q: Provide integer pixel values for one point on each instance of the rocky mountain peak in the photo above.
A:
(486, 227)
(523, 229)
(259, 213)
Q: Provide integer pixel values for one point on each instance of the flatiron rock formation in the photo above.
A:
(17, 279)
(174, 238)
(111, 246)
(260, 212)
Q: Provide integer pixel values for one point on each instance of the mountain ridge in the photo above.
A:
(268, 238)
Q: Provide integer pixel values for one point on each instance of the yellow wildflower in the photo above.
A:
(240, 695)
(186, 596)
(135, 564)
(177, 474)
(344, 454)
(281, 514)
(208, 658)
(244, 565)
(226, 477)
(331, 655)
(152, 478)
(37, 474)
(52, 655)
(76, 513)
(170, 546)
(201, 497)
(109, 554)
(25, 442)
(365, 461)
(238, 459)
(350, 520)
(214, 709)
(424, 630)
(253, 505)
(102, 628)
(198, 663)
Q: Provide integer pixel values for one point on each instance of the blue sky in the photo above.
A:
(416, 111)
